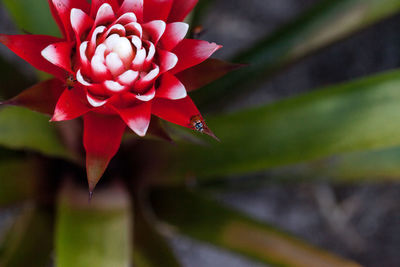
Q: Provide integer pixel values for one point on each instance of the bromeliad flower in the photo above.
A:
(118, 63)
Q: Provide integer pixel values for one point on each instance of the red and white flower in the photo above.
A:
(118, 63)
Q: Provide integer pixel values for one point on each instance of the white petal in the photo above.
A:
(155, 29)
(168, 60)
(171, 88)
(127, 18)
(114, 64)
(104, 14)
(151, 52)
(128, 77)
(95, 102)
(80, 21)
(137, 42)
(101, 51)
(114, 86)
(82, 52)
(98, 66)
(148, 96)
(116, 29)
(124, 50)
(112, 41)
(134, 28)
(80, 78)
(151, 75)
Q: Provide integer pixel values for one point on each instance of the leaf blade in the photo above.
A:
(24, 129)
(202, 218)
(327, 22)
(350, 117)
(96, 234)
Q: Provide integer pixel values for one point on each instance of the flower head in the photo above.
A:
(118, 63)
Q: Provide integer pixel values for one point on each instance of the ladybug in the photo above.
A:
(197, 123)
(70, 82)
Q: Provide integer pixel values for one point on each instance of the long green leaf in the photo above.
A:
(204, 219)
(360, 115)
(381, 165)
(18, 180)
(327, 22)
(29, 241)
(94, 234)
(151, 249)
(32, 16)
(24, 129)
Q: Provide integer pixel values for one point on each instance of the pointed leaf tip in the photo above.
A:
(208, 132)
(90, 196)
(101, 138)
(41, 97)
(95, 168)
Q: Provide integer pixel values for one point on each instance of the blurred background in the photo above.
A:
(359, 221)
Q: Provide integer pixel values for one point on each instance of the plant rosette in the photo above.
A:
(118, 63)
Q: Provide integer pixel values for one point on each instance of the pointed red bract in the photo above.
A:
(57, 18)
(59, 54)
(198, 50)
(96, 4)
(180, 9)
(135, 6)
(62, 11)
(80, 23)
(71, 105)
(205, 73)
(171, 88)
(156, 9)
(137, 117)
(176, 111)
(41, 97)
(102, 136)
(174, 34)
(29, 48)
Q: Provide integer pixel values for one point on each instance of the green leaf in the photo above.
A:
(381, 165)
(29, 242)
(18, 180)
(24, 129)
(204, 219)
(327, 22)
(32, 16)
(93, 234)
(12, 79)
(151, 249)
(360, 115)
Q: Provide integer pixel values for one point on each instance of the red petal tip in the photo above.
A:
(210, 133)
(95, 169)
(57, 117)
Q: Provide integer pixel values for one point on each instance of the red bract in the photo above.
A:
(119, 62)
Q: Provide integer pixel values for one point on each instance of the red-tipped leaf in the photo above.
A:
(205, 73)
(191, 52)
(180, 9)
(29, 48)
(41, 97)
(102, 136)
